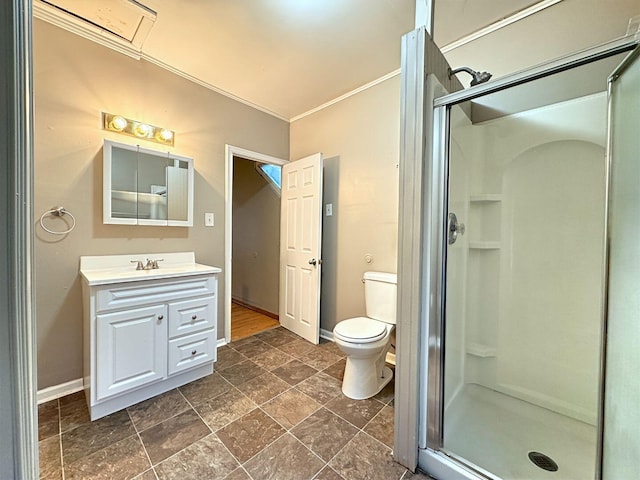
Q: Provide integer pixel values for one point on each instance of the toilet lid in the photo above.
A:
(360, 330)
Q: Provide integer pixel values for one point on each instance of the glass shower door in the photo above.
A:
(523, 307)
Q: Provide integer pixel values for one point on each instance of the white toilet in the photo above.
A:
(366, 340)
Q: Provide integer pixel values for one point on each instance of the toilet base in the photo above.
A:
(361, 383)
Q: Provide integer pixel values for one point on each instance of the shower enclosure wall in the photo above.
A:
(513, 353)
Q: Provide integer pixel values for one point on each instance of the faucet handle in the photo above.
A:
(154, 263)
(139, 265)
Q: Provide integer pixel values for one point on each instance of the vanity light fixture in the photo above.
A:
(134, 128)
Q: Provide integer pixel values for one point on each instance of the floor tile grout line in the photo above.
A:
(59, 440)
(326, 465)
(354, 436)
(146, 453)
(283, 426)
(144, 447)
(211, 432)
(197, 412)
(232, 365)
(194, 405)
(231, 421)
(156, 424)
(245, 471)
(346, 420)
(374, 417)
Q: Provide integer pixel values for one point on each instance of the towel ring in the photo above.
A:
(58, 212)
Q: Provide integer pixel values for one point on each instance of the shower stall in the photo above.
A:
(529, 335)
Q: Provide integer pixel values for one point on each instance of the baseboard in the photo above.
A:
(244, 304)
(57, 391)
(221, 342)
(326, 334)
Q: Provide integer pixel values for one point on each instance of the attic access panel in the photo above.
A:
(128, 19)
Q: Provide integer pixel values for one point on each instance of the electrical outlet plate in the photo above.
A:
(328, 209)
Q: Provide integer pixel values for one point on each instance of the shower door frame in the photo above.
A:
(431, 458)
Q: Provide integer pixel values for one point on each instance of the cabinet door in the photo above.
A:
(131, 349)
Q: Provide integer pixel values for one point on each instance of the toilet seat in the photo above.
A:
(360, 330)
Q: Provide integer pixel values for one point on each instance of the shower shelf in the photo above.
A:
(476, 245)
(480, 350)
(486, 197)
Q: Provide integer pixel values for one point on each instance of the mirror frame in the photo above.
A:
(107, 217)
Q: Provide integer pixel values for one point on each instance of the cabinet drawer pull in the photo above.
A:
(193, 317)
(160, 317)
(193, 352)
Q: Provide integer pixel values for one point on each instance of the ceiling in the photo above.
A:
(290, 56)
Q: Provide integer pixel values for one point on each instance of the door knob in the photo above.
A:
(160, 317)
(315, 262)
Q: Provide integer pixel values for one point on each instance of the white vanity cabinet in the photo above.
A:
(148, 331)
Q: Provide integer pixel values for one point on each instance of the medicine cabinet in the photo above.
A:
(146, 187)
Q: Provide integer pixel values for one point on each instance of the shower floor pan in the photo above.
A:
(497, 432)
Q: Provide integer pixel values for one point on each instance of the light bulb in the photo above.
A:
(142, 130)
(165, 135)
(118, 123)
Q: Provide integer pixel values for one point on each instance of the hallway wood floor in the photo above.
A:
(246, 322)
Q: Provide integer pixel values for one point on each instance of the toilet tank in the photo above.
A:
(380, 296)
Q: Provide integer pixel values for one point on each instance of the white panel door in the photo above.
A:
(300, 244)
(131, 349)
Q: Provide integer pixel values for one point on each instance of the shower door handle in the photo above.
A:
(454, 228)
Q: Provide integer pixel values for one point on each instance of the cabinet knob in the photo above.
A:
(160, 317)
(193, 317)
(193, 352)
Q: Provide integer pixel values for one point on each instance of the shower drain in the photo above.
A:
(543, 461)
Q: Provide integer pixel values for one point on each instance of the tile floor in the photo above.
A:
(273, 409)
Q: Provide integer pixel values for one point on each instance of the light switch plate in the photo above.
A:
(328, 209)
(208, 220)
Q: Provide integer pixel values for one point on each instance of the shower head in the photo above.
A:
(478, 77)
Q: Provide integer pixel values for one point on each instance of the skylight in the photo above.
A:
(272, 174)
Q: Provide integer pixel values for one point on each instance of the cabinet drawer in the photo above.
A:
(191, 316)
(153, 291)
(191, 351)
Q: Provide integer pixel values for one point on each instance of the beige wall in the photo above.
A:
(74, 81)
(359, 138)
(256, 238)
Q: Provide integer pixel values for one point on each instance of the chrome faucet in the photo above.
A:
(153, 264)
(150, 265)
(139, 265)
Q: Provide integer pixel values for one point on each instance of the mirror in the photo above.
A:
(146, 187)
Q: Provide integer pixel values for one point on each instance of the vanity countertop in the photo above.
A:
(108, 269)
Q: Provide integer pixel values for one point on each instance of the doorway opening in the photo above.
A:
(252, 244)
(255, 247)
